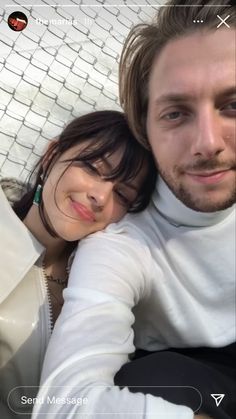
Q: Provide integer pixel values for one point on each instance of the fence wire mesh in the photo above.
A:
(64, 64)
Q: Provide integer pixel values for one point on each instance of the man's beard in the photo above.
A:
(199, 203)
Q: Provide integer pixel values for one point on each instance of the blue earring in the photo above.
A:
(38, 195)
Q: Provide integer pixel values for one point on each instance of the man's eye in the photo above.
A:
(229, 109)
(173, 115)
(231, 106)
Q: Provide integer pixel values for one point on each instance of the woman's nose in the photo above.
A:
(100, 193)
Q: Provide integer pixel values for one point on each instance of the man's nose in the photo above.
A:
(208, 141)
(99, 193)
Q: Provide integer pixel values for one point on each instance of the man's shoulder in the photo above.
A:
(121, 249)
(134, 230)
(131, 225)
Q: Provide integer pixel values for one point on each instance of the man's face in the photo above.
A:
(191, 121)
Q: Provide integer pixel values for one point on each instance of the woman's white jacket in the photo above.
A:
(25, 319)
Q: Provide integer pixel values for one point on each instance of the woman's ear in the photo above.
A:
(48, 154)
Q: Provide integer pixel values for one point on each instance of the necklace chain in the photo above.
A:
(60, 281)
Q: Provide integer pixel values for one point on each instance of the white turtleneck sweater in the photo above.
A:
(162, 278)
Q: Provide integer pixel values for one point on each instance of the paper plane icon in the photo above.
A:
(218, 398)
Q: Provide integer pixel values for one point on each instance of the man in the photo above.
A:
(164, 278)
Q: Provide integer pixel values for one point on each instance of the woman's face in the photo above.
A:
(81, 202)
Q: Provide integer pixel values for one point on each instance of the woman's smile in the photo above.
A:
(83, 211)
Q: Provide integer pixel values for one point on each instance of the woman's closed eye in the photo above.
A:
(123, 197)
(91, 168)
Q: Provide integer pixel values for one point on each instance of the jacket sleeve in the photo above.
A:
(93, 337)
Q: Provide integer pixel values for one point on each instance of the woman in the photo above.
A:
(92, 175)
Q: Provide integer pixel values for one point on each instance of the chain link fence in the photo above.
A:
(64, 64)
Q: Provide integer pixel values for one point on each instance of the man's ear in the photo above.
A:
(49, 152)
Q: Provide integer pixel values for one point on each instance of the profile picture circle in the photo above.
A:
(17, 21)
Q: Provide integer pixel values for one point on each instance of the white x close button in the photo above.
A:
(223, 21)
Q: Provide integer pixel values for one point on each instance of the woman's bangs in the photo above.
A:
(126, 169)
(129, 165)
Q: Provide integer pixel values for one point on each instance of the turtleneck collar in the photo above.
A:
(174, 211)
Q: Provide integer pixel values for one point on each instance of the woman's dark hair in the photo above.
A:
(104, 132)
